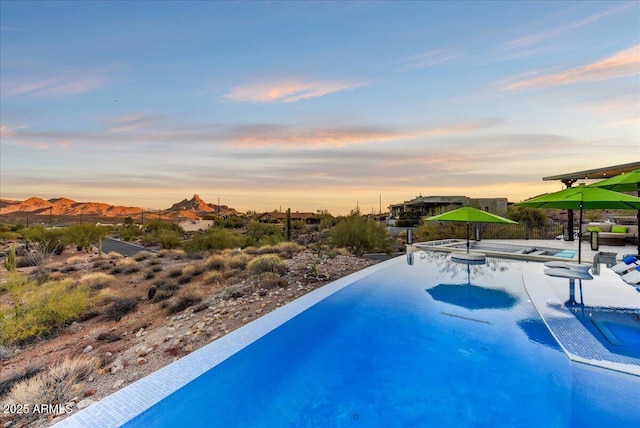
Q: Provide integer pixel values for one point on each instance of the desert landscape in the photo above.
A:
(141, 312)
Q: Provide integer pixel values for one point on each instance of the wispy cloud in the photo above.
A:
(428, 59)
(546, 35)
(65, 84)
(265, 135)
(132, 122)
(287, 91)
(622, 64)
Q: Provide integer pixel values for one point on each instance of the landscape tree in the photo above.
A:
(359, 234)
(535, 217)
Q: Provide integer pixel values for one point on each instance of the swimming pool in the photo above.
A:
(384, 349)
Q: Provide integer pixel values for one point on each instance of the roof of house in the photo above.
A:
(594, 174)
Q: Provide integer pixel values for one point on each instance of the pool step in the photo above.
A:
(606, 332)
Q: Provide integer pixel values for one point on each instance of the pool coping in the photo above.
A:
(124, 405)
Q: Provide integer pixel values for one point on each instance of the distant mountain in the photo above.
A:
(193, 208)
(187, 207)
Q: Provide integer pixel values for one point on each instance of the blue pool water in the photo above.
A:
(385, 352)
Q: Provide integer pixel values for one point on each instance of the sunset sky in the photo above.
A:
(312, 105)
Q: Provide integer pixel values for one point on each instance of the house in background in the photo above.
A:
(422, 206)
(280, 217)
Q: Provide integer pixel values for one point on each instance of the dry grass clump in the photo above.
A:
(143, 255)
(238, 261)
(173, 254)
(58, 384)
(214, 277)
(120, 307)
(126, 265)
(286, 250)
(188, 270)
(216, 262)
(76, 259)
(164, 289)
(113, 255)
(96, 280)
(271, 280)
(183, 303)
(175, 273)
(106, 295)
(267, 263)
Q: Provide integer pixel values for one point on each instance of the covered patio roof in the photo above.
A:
(594, 174)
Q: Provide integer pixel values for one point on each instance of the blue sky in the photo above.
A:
(312, 105)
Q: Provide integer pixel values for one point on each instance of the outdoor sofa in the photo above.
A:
(611, 233)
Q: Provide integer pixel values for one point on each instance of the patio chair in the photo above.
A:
(632, 277)
(628, 263)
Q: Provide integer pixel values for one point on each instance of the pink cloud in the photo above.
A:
(67, 84)
(315, 138)
(622, 64)
(287, 91)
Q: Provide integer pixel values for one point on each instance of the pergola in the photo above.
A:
(590, 174)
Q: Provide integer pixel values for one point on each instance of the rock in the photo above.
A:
(87, 349)
(140, 332)
(188, 348)
(141, 361)
(85, 403)
(168, 338)
(116, 385)
(89, 392)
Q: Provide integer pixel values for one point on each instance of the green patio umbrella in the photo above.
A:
(583, 198)
(470, 215)
(626, 182)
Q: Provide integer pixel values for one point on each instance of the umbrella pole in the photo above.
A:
(580, 236)
(468, 226)
(638, 218)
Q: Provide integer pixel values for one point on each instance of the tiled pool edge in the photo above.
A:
(563, 326)
(120, 407)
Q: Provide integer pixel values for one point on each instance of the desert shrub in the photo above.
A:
(120, 307)
(45, 240)
(102, 265)
(143, 255)
(214, 238)
(57, 384)
(433, 231)
(198, 269)
(175, 273)
(214, 277)
(97, 280)
(165, 289)
(216, 262)
(270, 280)
(188, 270)
(359, 234)
(259, 234)
(173, 254)
(183, 303)
(267, 263)
(129, 232)
(75, 260)
(167, 238)
(233, 221)
(149, 275)
(184, 279)
(85, 235)
(113, 255)
(156, 268)
(238, 261)
(39, 309)
(127, 265)
(106, 295)
(286, 250)
(536, 217)
(7, 382)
